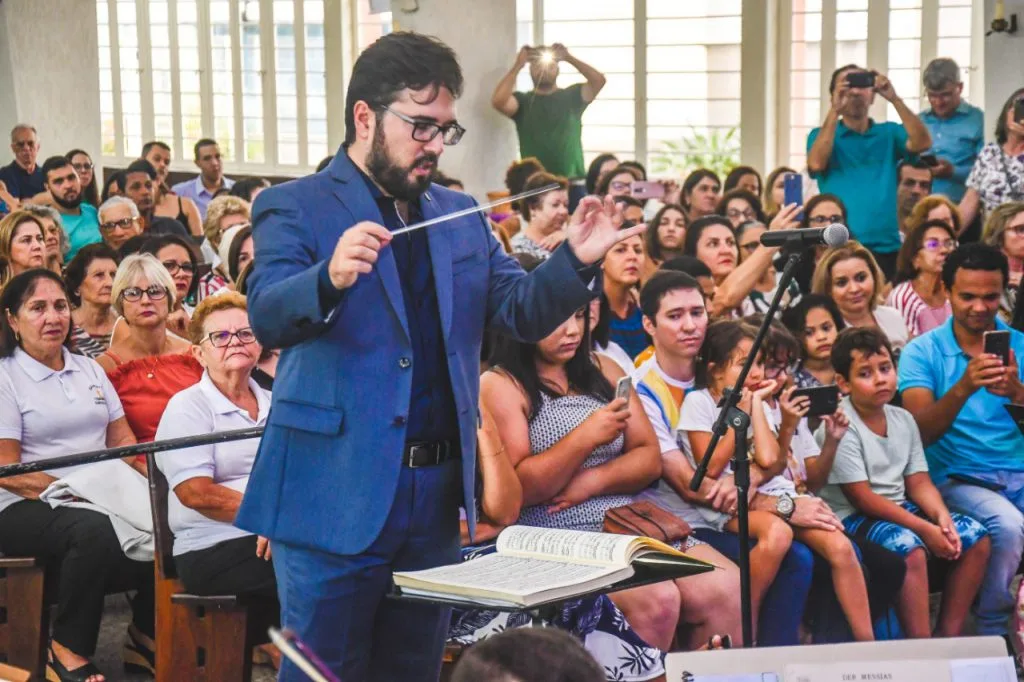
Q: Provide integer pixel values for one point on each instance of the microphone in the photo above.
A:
(833, 235)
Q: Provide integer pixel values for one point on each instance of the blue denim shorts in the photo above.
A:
(902, 540)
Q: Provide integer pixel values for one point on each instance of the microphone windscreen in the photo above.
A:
(835, 235)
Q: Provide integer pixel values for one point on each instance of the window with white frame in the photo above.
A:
(251, 74)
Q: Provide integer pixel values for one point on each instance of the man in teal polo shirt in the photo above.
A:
(856, 159)
(81, 222)
(957, 394)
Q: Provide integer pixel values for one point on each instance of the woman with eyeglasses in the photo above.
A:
(119, 221)
(222, 213)
(821, 210)
(618, 181)
(212, 555)
(1004, 230)
(748, 239)
(179, 257)
(998, 173)
(147, 365)
(919, 294)
(740, 206)
(90, 280)
(22, 244)
(82, 163)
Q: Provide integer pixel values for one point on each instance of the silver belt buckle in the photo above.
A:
(413, 452)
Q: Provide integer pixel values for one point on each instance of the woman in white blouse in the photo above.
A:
(212, 555)
(54, 403)
(851, 277)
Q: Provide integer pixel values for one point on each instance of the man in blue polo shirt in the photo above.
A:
(855, 158)
(956, 127)
(957, 394)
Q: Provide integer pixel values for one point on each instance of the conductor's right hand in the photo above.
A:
(356, 252)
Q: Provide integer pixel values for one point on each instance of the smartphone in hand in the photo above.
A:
(824, 399)
(793, 191)
(623, 387)
(860, 79)
(647, 189)
(998, 343)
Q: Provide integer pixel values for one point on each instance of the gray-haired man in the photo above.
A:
(956, 127)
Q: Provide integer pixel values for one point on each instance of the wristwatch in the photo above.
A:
(785, 506)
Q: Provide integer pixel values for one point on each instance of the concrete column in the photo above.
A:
(49, 74)
(483, 35)
(1004, 63)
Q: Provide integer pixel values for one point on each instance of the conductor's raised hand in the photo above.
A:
(594, 228)
(356, 252)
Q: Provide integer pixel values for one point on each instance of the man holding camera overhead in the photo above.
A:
(857, 159)
(548, 118)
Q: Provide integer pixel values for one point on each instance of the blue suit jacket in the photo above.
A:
(330, 457)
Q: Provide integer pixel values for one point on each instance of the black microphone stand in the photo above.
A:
(733, 417)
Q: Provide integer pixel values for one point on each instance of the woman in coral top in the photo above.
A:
(148, 365)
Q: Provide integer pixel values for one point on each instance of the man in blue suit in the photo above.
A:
(370, 446)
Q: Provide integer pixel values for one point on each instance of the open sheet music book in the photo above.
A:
(535, 565)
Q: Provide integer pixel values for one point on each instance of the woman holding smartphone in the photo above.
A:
(998, 173)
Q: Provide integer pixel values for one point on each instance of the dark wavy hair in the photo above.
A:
(732, 180)
(795, 317)
(813, 202)
(397, 61)
(518, 360)
(975, 256)
(750, 198)
(905, 269)
(15, 293)
(1002, 134)
(244, 187)
(594, 170)
(651, 242)
(154, 244)
(694, 231)
(90, 192)
(235, 250)
(74, 273)
(693, 179)
(720, 343)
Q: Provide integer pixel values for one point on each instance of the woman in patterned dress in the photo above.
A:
(998, 173)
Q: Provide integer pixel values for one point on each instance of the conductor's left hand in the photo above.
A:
(594, 228)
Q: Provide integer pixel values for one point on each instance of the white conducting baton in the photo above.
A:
(476, 209)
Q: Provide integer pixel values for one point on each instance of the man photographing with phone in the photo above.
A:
(856, 159)
(548, 118)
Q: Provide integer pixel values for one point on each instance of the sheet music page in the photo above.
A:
(573, 545)
(869, 671)
(983, 670)
(514, 575)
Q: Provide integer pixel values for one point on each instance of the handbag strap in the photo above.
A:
(645, 517)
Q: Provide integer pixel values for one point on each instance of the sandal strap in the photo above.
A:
(79, 674)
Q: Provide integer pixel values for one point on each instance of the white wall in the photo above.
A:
(49, 75)
(483, 35)
(1004, 63)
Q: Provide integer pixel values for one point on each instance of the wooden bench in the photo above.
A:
(198, 638)
(24, 618)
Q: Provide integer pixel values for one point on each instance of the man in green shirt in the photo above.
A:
(548, 118)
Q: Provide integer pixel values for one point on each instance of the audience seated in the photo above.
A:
(743, 177)
(913, 183)
(1004, 230)
(618, 181)
(600, 320)
(120, 220)
(855, 158)
(664, 239)
(165, 203)
(601, 164)
(774, 194)
(748, 238)
(815, 322)
(23, 178)
(740, 206)
(699, 194)
(204, 187)
(247, 189)
(919, 294)
(578, 452)
(56, 239)
(223, 213)
(850, 275)
(545, 216)
(235, 252)
(533, 654)
(140, 185)
(178, 256)
(957, 394)
(998, 173)
(880, 487)
(80, 220)
(935, 207)
(54, 403)
(631, 207)
(90, 280)
(113, 186)
(22, 244)
(820, 211)
(211, 555)
(148, 364)
(515, 178)
(621, 270)
(87, 176)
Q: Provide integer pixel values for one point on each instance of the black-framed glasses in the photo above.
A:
(174, 266)
(222, 339)
(426, 131)
(122, 224)
(155, 293)
(821, 220)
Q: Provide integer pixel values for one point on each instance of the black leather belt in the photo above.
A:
(427, 454)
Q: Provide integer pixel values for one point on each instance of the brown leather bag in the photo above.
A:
(648, 520)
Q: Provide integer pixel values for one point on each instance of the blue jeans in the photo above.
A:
(336, 604)
(782, 608)
(1002, 514)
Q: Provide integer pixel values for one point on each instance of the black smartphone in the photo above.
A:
(929, 160)
(824, 399)
(998, 343)
(1018, 110)
(971, 480)
(860, 79)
